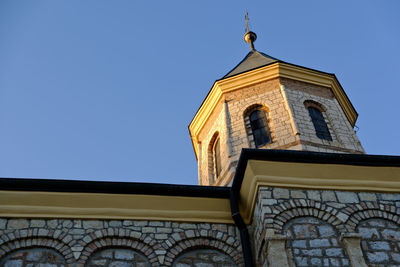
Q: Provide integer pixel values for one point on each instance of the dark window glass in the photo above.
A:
(259, 128)
(321, 129)
(217, 158)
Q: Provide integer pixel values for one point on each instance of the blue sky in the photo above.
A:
(105, 90)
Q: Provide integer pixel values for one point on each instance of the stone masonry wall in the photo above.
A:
(343, 135)
(311, 242)
(288, 119)
(228, 120)
(317, 226)
(205, 257)
(216, 124)
(63, 242)
(380, 242)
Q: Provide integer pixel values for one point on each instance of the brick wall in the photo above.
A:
(63, 242)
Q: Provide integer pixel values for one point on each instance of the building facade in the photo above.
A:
(284, 181)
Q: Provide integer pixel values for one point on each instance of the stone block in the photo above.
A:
(187, 226)
(396, 257)
(297, 194)
(14, 263)
(52, 224)
(328, 196)
(3, 223)
(367, 196)
(312, 252)
(301, 261)
(319, 243)
(299, 244)
(124, 254)
(335, 262)
(368, 232)
(326, 231)
(114, 223)
(314, 195)
(18, 224)
(120, 264)
(280, 193)
(391, 234)
(37, 223)
(377, 257)
(34, 255)
(347, 197)
(334, 252)
(94, 224)
(391, 197)
(377, 223)
(156, 224)
(379, 245)
(304, 231)
(146, 230)
(316, 262)
(67, 224)
(140, 223)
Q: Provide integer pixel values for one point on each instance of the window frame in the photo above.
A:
(266, 127)
(316, 113)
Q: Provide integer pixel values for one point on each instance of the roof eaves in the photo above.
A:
(78, 186)
(308, 157)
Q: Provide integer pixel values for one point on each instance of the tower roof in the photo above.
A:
(252, 60)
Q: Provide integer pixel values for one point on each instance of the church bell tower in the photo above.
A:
(266, 103)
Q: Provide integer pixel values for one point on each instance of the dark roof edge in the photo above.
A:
(73, 186)
(279, 61)
(308, 157)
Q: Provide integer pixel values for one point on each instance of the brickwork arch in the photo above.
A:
(118, 238)
(284, 212)
(34, 256)
(311, 103)
(369, 210)
(31, 242)
(187, 245)
(188, 240)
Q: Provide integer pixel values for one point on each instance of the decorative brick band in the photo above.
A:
(369, 210)
(186, 245)
(16, 243)
(117, 237)
(284, 212)
(179, 243)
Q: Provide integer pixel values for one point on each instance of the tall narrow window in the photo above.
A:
(321, 128)
(216, 158)
(259, 127)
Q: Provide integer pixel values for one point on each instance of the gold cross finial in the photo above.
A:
(247, 21)
(249, 36)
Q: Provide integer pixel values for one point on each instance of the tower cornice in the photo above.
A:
(275, 70)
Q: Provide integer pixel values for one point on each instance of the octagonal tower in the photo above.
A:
(266, 103)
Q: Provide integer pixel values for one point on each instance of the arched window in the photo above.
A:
(259, 127)
(214, 158)
(321, 128)
(216, 151)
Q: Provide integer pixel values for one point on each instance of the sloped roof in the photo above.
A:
(252, 60)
